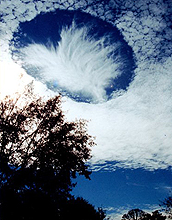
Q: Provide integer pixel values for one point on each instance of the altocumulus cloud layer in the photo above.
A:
(133, 127)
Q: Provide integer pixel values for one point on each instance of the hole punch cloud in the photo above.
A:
(80, 66)
(86, 57)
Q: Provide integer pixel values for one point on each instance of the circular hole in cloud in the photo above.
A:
(76, 54)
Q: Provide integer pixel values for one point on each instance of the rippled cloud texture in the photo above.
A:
(133, 128)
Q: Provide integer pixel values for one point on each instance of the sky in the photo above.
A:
(112, 63)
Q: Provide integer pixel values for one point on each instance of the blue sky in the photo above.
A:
(112, 63)
(136, 188)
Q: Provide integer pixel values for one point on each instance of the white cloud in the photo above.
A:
(116, 213)
(134, 128)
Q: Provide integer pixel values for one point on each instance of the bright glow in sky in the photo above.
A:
(13, 78)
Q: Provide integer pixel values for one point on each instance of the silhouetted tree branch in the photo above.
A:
(40, 154)
(38, 137)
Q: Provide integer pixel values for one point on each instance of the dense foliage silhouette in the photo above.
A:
(40, 155)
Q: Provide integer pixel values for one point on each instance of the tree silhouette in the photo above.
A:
(138, 214)
(40, 154)
(134, 214)
(156, 215)
(80, 209)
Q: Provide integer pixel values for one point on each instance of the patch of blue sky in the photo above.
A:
(129, 188)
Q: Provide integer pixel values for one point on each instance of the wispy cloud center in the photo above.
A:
(79, 65)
